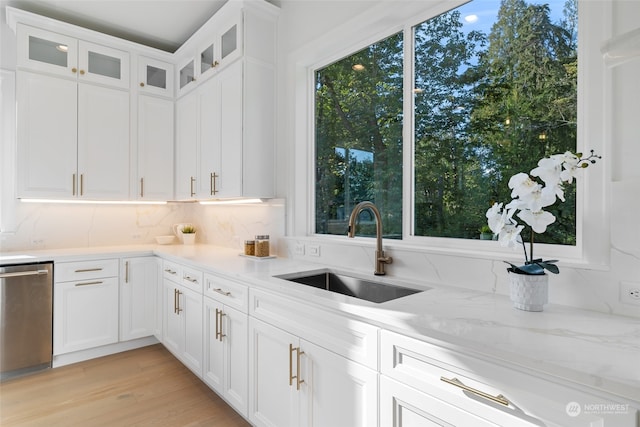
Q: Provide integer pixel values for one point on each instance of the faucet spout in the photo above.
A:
(381, 259)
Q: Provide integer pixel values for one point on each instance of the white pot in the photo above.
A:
(188, 238)
(529, 292)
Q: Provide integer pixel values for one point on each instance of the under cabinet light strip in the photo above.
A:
(94, 202)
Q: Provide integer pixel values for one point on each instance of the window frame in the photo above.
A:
(594, 127)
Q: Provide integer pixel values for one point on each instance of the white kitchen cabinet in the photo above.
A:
(139, 282)
(182, 322)
(225, 353)
(73, 139)
(423, 384)
(187, 139)
(301, 371)
(155, 77)
(48, 52)
(226, 340)
(85, 305)
(216, 45)
(155, 178)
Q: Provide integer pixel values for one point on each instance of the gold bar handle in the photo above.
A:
(213, 186)
(178, 305)
(298, 380)
(217, 324)
(98, 282)
(175, 301)
(86, 270)
(141, 187)
(221, 292)
(126, 272)
(193, 193)
(457, 383)
(291, 377)
(82, 184)
(73, 185)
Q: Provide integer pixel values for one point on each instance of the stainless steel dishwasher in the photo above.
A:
(26, 318)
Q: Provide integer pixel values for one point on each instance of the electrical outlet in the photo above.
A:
(298, 249)
(313, 250)
(630, 292)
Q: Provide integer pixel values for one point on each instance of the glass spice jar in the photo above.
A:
(262, 245)
(250, 247)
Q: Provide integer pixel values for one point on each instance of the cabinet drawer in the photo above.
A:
(349, 338)
(226, 291)
(495, 393)
(83, 270)
(172, 271)
(192, 279)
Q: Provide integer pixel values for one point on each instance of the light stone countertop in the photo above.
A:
(597, 350)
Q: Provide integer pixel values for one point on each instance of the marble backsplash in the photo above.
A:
(60, 225)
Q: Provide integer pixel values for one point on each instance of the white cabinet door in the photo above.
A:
(230, 166)
(186, 146)
(48, 52)
(209, 113)
(47, 136)
(138, 296)
(172, 325)
(103, 142)
(155, 149)
(155, 77)
(225, 353)
(103, 65)
(274, 399)
(402, 406)
(338, 392)
(85, 314)
(190, 303)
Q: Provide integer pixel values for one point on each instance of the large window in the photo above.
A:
(494, 86)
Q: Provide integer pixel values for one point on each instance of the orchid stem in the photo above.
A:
(524, 249)
(531, 246)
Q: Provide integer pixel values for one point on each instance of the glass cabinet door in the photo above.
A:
(187, 74)
(208, 59)
(101, 64)
(46, 51)
(229, 42)
(155, 76)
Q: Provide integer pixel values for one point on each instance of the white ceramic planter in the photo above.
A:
(529, 292)
(188, 238)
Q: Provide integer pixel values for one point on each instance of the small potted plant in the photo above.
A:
(531, 193)
(188, 234)
(486, 233)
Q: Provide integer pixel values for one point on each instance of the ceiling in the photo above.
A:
(163, 24)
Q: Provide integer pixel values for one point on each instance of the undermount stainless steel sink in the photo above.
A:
(352, 286)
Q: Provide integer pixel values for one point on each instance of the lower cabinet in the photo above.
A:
(423, 384)
(85, 305)
(294, 382)
(182, 324)
(225, 361)
(139, 281)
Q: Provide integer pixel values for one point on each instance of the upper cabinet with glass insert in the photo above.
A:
(49, 52)
(155, 77)
(216, 46)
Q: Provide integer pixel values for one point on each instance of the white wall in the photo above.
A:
(585, 286)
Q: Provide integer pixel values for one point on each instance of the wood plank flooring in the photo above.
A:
(143, 387)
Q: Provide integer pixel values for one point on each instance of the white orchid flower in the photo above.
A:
(537, 220)
(521, 184)
(539, 198)
(509, 237)
(495, 218)
(570, 166)
(549, 170)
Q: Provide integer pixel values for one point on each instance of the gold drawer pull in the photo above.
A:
(190, 279)
(220, 291)
(86, 270)
(457, 383)
(89, 283)
(170, 271)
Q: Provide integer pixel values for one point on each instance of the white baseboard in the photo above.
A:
(92, 353)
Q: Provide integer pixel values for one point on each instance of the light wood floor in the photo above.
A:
(144, 387)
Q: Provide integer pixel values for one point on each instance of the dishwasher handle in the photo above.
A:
(24, 273)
